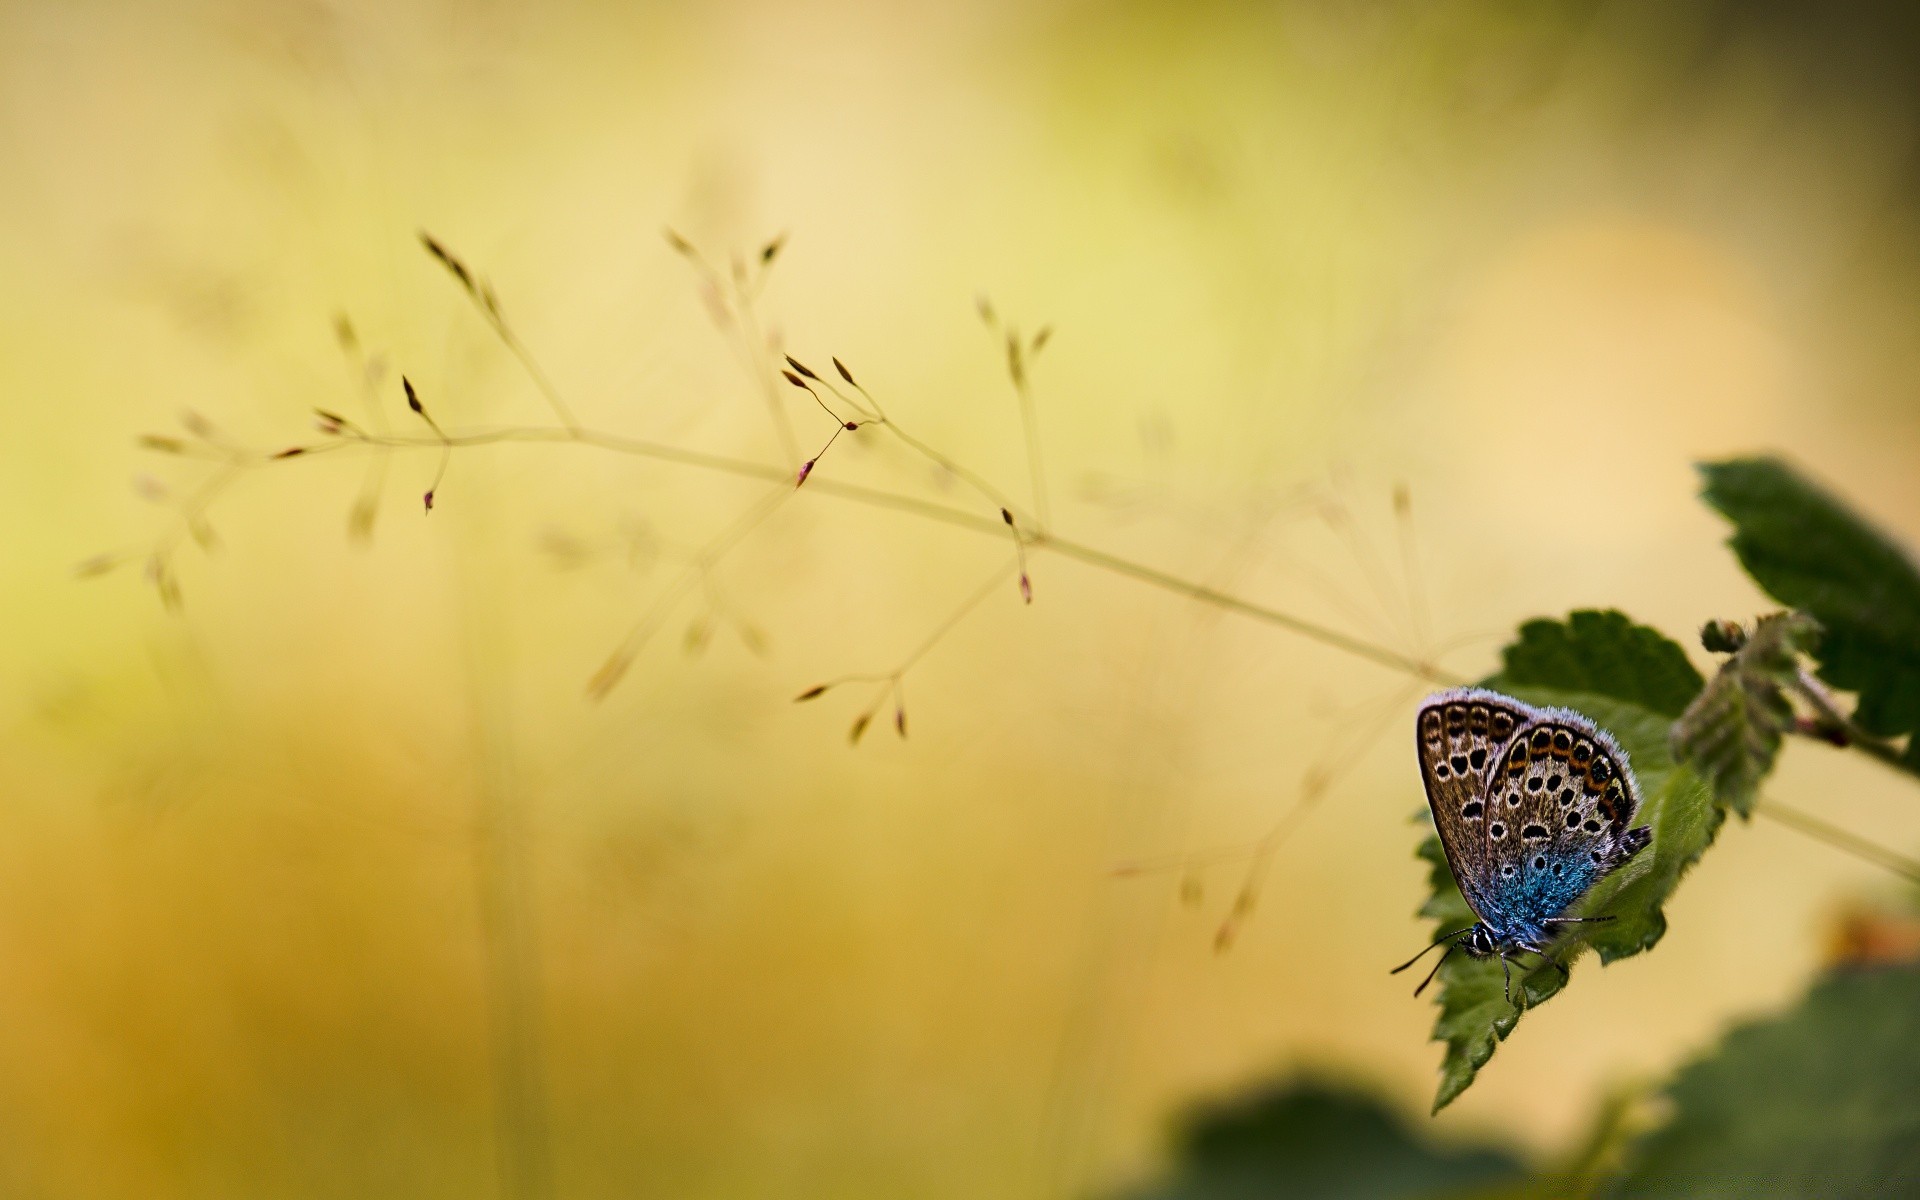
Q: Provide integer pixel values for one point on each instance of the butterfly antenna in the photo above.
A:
(1435, 971)
(1439, 942)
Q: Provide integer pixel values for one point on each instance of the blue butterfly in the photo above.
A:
(1534, 806)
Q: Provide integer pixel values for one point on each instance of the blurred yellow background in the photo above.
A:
(334, 882)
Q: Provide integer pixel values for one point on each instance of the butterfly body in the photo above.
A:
(1533, 806)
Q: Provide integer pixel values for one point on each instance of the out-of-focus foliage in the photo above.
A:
(1731, 733)
(1605, 654)
(1824, 1101)
(1812, 552)
(1307, 1139)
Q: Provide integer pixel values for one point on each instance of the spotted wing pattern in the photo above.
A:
(1461, 736)
(1560, 808)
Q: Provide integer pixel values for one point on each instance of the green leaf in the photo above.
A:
(1809, 551)
(1605, 654)
(1824, 1101)
(1475, 1016)
(1307, 1139)
(1731, 733)
(1628, 679)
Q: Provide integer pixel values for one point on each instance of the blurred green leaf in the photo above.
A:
(1731, 733)
(1307, 1139)
(1824, 1101)
(1605, 654)
(1809, 551)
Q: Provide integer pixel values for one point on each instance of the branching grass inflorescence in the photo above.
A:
(731, 300)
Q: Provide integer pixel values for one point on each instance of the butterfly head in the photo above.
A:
(1480, 942)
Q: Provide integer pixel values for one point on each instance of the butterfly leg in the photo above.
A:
(1507, 971)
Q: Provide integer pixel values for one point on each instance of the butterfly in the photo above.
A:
(1534, 806)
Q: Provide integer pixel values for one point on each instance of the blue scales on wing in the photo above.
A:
(1559, 816)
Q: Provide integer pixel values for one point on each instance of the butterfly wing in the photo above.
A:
(1560, 808)
(1461, 736)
